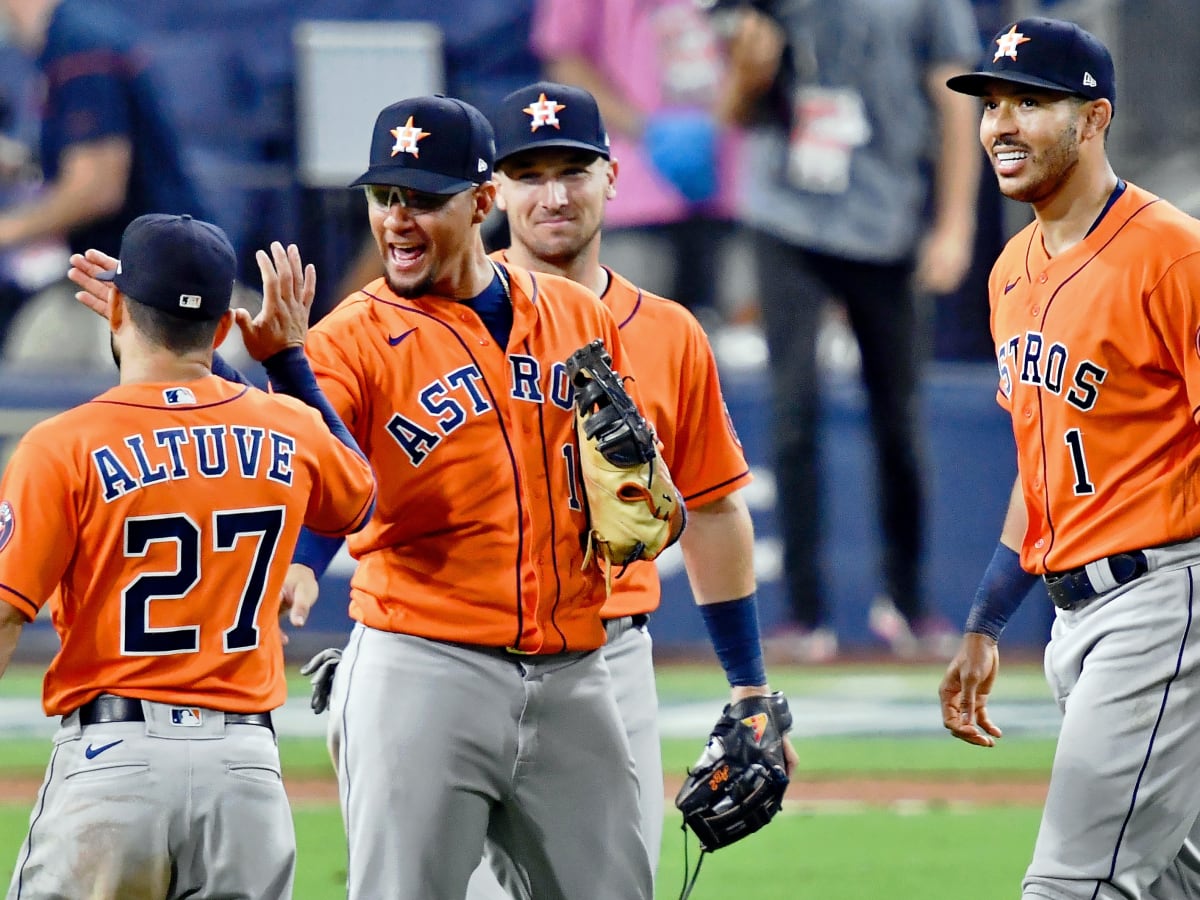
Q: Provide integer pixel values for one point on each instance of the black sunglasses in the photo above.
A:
(385, 196)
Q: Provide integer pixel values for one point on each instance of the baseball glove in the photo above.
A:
(738, 783)
(634, 511)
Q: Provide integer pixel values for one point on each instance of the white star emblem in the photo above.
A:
(1006, 44)
(544, 112)
(406, 136)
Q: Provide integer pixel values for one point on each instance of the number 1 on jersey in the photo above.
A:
(1083, 484)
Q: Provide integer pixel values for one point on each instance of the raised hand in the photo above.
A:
(288, 290)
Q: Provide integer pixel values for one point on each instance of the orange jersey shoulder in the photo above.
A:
(162, 519)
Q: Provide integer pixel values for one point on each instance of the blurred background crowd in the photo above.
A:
(231, 75)
(257, 113)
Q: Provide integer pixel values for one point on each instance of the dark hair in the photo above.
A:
(170, 331)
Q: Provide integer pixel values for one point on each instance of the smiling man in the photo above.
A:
(474, 672)
(555, 176)
(1096, 321)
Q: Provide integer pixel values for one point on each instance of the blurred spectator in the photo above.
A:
(961, 327)
(108, 153)
(655, 67)
(854, 132)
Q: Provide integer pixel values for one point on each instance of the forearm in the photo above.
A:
(1005, 584)
(956, 178)
(91, 185)
(755, 54)
(718, 550)
(11, 623)
(620, 116)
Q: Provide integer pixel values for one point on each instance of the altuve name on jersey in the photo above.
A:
(172, 454)
(1028, 359)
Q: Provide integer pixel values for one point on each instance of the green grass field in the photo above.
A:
(929, 851)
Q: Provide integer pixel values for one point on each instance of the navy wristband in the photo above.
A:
(291, 374)
(733, 629)
(315, 551)
(1001, 590)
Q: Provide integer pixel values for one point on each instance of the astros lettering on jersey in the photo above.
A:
(677, 379)
(425, 391)
(163, 519)
(1096, 405)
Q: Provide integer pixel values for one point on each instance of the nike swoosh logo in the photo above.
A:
(1012, 284)
(92, 752)
(398, 338)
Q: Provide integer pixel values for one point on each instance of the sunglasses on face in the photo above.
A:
(385, 196)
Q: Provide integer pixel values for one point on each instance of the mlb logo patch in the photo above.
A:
(8, 522)
(189, 301)
(187, 716)
(179, 396)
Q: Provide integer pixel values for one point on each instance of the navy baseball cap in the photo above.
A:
(548, 114)
(178, 264)
(1045, 53)
(436, 144)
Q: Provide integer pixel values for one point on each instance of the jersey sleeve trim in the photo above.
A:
(19, 602)
(356, 523)
(717, 491)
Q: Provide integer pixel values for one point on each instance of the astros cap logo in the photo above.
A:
(406, 137)
(543, 112)
(1006, 44)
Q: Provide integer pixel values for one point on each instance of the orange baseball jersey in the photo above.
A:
(162, 519)
(1099, 357)
(476, 536)
(678, 383)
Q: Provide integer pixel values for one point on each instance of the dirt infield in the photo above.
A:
(877, 792)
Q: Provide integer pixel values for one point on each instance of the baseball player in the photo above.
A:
(1095, 311)
(471, 703)
(159, 519)
(554, 176)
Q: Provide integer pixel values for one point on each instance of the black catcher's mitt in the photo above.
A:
(634, 510)
(737, 785)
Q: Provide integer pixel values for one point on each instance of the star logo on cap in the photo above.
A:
(1007, 43)
(406, 137)
(544, 112)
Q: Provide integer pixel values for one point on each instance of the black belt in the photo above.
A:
(637, 620)
(107, 708)
(1070, 590)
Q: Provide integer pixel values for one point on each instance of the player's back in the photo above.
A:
(172, 530)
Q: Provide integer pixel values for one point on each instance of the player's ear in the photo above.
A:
(1099, 115)
(484, 197)
(116, 308)
(224, 325)
(497, 183)
(611, 190)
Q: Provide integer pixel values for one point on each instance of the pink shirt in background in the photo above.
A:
(659, 55)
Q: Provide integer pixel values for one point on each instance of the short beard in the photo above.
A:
(1061, 160)
(420, 289)
(559, 255)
